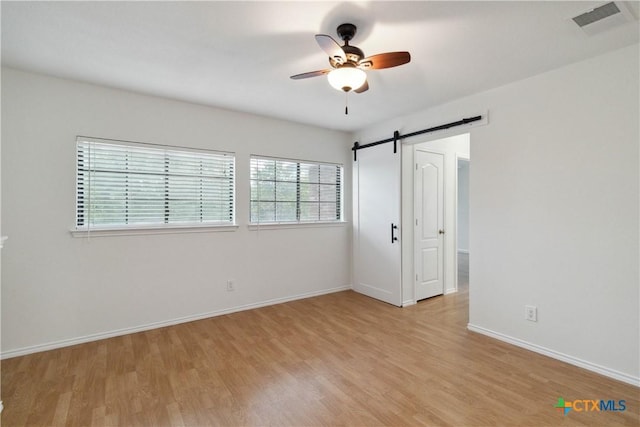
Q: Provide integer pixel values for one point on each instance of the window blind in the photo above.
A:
(284, 190)
(132, 185)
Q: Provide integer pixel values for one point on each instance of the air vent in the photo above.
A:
(603, 18)
(604, 11)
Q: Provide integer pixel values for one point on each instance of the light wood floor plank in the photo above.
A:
(339, 359)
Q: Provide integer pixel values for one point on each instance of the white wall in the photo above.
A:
(554, 210)
(56, 287)
(462, 230)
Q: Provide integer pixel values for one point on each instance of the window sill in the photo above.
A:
(284, 225)
(107, 232)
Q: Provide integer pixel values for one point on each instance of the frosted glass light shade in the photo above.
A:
(347, 78)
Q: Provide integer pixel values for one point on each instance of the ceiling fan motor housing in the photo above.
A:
(352, 53)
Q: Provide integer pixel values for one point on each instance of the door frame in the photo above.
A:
(467, 159)
(408, 208)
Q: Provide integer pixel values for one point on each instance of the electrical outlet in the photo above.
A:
(531, 313)
(231, 285)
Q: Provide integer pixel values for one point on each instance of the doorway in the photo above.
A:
(427, 262)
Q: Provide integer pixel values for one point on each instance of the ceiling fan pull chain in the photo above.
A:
(346, 103)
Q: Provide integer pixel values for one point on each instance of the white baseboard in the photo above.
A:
(1, 407)
(450, 291)
(125, 331)
(611, 373)
(408, 302)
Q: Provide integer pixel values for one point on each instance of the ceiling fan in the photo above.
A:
(348, 63)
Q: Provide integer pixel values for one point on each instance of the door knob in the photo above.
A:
(440, 231)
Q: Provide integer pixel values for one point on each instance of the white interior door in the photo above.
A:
(429, 217)
(376, 212)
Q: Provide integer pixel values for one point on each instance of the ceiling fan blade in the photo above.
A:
(331, 48)
(310, 74)
(385, 60)
(363, 88)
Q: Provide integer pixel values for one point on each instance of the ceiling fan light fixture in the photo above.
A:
(347, 78)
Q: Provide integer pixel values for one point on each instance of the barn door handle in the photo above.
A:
(393, 234)
(440, 231)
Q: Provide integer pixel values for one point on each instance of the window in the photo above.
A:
(131, 185)
(295, 191)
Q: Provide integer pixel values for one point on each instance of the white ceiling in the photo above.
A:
(239, 55)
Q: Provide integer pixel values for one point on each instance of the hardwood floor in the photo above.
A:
(339, 359)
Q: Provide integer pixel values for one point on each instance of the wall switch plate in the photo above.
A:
(531, 313)
(231, 285)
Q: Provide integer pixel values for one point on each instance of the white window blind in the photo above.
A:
(132, 185)
(285, 190)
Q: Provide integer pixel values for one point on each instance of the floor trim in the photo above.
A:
(125, 331)
(611, 373)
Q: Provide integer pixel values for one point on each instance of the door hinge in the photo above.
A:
(416, 277)
(416, 222)
(416, 166)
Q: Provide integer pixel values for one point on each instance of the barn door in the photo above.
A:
(376, 212)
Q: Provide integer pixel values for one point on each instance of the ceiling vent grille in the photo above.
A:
(602, 18)
(604, 11)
